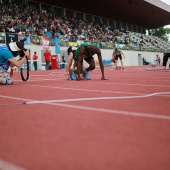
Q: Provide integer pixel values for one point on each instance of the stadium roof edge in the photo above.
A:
(159, 4)
(149, 14)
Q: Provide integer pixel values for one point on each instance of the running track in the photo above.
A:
(123, 123)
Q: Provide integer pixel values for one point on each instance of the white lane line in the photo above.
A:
(38, 80)
(125, 84)
(4, 165)
(16, 98)
(145, 115)
(64, 79)
(105, 83)
(99, 98)
(76, 89)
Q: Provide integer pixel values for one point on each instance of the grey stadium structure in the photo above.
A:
(138, 15)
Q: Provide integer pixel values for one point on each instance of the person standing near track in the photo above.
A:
(118, 54)
(158, 59)
(47, 56)
(86, 52)
(35, 59)
(8, 54)
(63, 61)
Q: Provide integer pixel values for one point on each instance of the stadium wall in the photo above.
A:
(133, 58)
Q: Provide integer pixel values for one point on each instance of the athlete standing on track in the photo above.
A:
(86, 52)
(118, 54)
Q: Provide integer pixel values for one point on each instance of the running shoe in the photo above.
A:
(87, 75)
(74, 75)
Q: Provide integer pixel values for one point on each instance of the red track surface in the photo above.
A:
(128, 131)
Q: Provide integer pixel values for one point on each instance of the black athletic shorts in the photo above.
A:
(119, 56)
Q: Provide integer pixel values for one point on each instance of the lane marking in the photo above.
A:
(38, 80)
(10, 104)
(4, 165)
(98, 98)
(104, 83)
(76, 89)
(16, 98)
(123, 84)
(145, 115)
(61, 77)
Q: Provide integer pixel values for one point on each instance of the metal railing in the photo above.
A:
(35, 39)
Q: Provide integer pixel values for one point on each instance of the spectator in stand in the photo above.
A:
(15, 14)
(48, 34)
(47, 56)
(35, 60)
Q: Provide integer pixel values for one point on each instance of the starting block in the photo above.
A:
(118, 68)
(70, 75)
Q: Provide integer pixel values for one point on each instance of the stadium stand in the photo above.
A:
(34, 20)
(16, 18)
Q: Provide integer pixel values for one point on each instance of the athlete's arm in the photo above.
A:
(122, 53)
(101, 64)
(79, 62)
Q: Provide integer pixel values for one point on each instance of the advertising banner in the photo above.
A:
(57, 45)
(45, 41)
